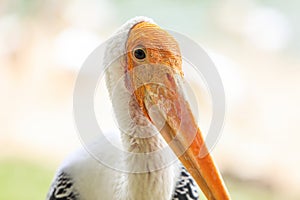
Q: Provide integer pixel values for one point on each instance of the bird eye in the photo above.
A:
(139, 54)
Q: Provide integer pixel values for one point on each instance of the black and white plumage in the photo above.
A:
(63, 188)
(82, 177)
(186, 188)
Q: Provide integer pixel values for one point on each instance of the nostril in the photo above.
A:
(169, 77)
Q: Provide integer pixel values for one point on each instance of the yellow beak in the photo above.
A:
(177, 125)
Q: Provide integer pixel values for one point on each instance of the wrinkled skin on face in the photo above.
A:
(155, 71)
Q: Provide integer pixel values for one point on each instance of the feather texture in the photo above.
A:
(81, 177)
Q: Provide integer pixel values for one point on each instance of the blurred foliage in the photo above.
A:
(23, 180)
(25, 7)
(248, 191)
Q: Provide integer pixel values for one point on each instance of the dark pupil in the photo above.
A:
(139, 54)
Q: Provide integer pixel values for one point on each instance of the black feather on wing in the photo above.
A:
(62, 188)
(186, 188)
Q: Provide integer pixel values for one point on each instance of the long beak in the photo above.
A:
(173, 118)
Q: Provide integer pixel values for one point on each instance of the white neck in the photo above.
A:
(137, 133)
(138, 136)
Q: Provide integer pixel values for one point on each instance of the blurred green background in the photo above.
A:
(254, 43)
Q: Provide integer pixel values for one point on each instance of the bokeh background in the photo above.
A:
(254, 43)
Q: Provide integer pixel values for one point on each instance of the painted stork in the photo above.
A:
(81, 177)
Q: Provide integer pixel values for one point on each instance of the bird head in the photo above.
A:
(153, 68)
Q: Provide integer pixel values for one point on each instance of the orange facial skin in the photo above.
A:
(161, 49)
